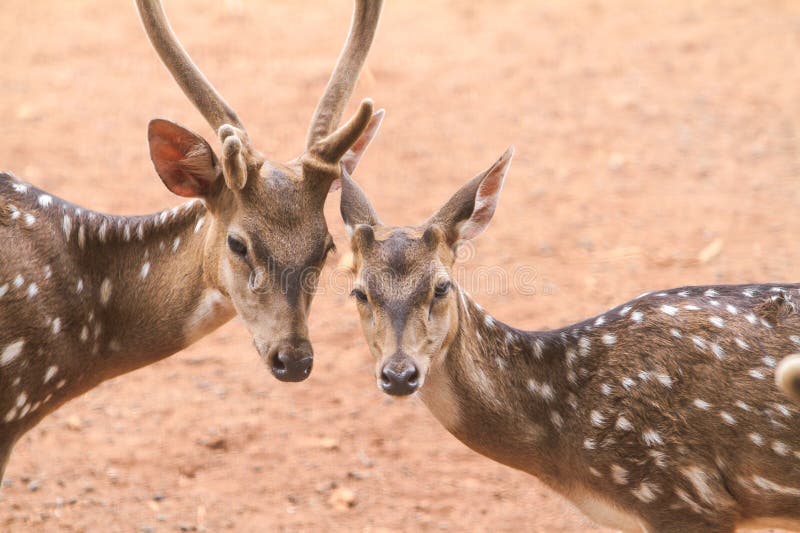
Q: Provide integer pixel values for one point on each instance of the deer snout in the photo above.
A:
(292, 361)
(399, 377)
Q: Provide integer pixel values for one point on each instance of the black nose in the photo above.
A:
(400, 378)
(292, 363)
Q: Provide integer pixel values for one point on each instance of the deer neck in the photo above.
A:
(143, 285)
(495, 390)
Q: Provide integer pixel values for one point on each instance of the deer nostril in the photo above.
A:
(278, 362)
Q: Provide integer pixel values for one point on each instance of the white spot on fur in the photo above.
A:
(56, 326)
(605, 388)
(700, 343)
(105, 291)
(717, 321)
(609, 339)
(628, 383)
(651, 437)
(102, 233)
(731, 309)
(717, 350)
(11, 352)
(84, 334)
(597, 419)
(646, 492)
(600, 321)
(145, 270)
(701, 404)
(676, 333)
(727, 418)
(544, 390)
(50, 373)
(741, 343)
(711, 293)
(637, 316)
(691, 307)
(33, 290)
(595, 472)
(18, 281)
(619, 474)
(780, 448)
(664, 379)
(623, 424)
(669, 310)
(624, 310)
(699, 480)
(741, 405)
(176, 243)
(199, 224)
(589, 444)
(755, 373)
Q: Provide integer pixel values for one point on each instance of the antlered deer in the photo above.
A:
(658, 415)
(86, 296)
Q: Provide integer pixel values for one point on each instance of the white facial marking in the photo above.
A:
(609, 339)
(105, 291)
(669, 310)
(50, 373)
(619, 474)
(11, 352)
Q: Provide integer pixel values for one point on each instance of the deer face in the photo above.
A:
(404, 291)
(267, 238)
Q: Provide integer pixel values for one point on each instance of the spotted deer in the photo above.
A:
(658, 415)
(86, 296)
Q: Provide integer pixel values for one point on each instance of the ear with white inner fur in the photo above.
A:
(468, 212)
(352, 157)
(355, 207)
(184, 160)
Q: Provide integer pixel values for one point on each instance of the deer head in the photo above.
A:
(404, 286)
(267, 237)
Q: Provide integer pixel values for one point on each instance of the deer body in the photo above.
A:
(87, 297)
(660, 415)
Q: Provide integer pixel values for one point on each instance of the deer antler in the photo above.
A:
(194, 84)
(221, 117)
(328, 144)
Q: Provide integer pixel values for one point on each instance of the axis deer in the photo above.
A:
(658, 415)
(87, 296)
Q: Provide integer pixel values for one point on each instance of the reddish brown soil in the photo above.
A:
(657, 145)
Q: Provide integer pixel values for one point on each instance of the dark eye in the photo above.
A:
(237, 246)
(359, 295)
(441, 289)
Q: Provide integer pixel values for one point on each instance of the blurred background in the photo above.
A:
(657, 146)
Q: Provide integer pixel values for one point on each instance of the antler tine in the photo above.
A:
(194, 84)
(345, 74)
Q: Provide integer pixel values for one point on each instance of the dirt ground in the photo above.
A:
(657, 145)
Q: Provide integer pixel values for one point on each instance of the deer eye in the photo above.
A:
(237, 246)
(441, 289)
(359, 295)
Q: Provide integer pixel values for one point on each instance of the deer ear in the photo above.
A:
(184, 160)
(467, 214)
(355, 206)
(353, 155)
